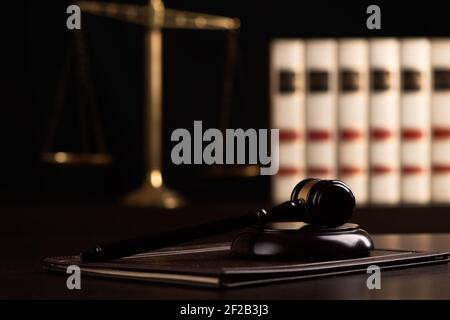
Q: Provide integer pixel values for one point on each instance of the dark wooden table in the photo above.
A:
(30, 234)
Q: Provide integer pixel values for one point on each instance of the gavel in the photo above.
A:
(321, 203)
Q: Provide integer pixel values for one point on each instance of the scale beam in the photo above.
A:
(156, 16)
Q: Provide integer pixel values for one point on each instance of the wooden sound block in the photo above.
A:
(291, 240)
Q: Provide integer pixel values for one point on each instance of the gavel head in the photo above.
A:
(328, 203)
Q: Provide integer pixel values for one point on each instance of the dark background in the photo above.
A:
(35, 225)
(35, 36)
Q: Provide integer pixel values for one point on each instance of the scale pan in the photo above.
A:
(77, 159)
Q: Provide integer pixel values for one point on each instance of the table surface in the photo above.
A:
(30, 234)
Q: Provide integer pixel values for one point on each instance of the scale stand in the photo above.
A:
(156, 17)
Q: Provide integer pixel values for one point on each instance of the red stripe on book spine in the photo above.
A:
(349, 170)
(350, 134)
(289, 171)
(289, 135)
(407, 170)
(440, 168)
(412, 134)
(381, 169)
(312, 171)
(319, 135)
(381, 133)
(441, 133)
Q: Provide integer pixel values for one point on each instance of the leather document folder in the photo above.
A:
(214, 265)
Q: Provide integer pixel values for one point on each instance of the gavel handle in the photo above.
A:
(158, 240)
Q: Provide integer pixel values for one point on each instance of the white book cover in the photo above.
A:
(321, 105)
(440, 120)
(415, 120)
(287, 113)
(384, 101)
(353, 101)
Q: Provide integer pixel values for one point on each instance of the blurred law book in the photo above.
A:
(384, 131)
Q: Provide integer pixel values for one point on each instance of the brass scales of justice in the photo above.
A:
(154, 17)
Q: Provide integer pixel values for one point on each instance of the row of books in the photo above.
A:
(374, 113)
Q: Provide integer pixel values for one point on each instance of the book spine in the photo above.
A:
(287, 114)
(440, 121)
(353, 116)
(415, 120)
(384, 157)
(321, 105)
